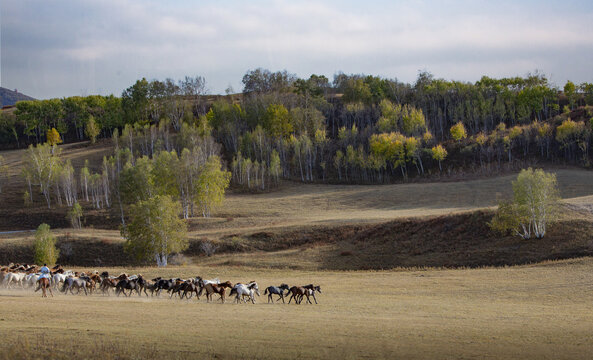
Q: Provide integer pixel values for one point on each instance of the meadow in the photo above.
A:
(527, 312)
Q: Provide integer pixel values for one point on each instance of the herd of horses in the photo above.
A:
(73, 282)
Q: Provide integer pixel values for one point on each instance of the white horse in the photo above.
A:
(31, 279)
(243, 291)
(14, 277)
(58, 279)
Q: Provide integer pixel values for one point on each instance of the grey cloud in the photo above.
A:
(63, 48)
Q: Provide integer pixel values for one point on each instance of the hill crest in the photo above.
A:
(10, 97)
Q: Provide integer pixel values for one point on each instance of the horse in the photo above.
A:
(75, 282)
(192, 286)
(126, 284)
(243, 291)
(212, 288)
(106, 284)
(44, 285)
(296, 293)
(31, 279)
(161, 284)
(278, 290)
(16, 277)
(310, 290)
(57, 279)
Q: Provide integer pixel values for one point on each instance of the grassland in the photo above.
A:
(412, 311)
(528, 312)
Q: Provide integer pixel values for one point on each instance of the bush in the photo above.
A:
(45, 246)
(208, 248)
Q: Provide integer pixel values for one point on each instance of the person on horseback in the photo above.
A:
(44, 272)
(44, 280)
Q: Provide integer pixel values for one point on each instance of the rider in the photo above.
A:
(44, 271)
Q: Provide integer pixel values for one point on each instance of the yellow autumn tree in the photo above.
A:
(458, 131)
(439, 153)
(53, 137)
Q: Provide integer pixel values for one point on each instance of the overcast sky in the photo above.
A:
(81, 47)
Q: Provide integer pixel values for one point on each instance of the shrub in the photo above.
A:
(208, 247)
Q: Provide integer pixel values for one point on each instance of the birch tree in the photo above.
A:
(534, 205)
(40, 168)
(212, 182)
(155, 231)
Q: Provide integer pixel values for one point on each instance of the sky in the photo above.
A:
(62, 48)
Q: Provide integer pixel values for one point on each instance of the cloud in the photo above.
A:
(63, 48)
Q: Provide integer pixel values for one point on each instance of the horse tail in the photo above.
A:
(63, 289)
(266, 292)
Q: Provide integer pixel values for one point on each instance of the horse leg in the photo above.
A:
(282, 297)
(314, 298)
(50, 292)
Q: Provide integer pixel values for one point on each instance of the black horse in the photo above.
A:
(278, 290)
(126, 284)
(163, 284)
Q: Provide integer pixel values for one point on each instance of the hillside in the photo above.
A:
(10, 97)
(318, 226)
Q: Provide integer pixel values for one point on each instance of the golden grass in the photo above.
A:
(539, 311)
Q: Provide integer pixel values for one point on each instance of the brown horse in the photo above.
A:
(310, 290)
(296, 292)
(43, 284)
(219, 289)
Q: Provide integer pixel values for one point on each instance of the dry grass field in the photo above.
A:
(529, 312)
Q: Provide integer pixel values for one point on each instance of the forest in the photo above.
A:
(355, 129)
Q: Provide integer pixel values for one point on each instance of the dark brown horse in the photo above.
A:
(44, 285)
(296, 292)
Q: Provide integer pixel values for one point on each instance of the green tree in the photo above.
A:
(212, 183)
(92, 129)
(570, 92)
(155, 230)
(136, 182)
(45, 246)
(278, 121)
(534, 205)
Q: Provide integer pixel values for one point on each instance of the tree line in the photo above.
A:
(354, 129)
